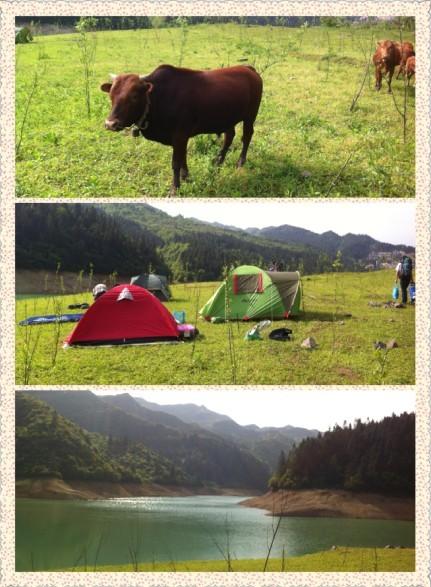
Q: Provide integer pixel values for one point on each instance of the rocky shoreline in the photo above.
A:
(322, 503)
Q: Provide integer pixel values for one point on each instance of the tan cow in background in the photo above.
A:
(410, 69)
(385, 59)
(389, 55)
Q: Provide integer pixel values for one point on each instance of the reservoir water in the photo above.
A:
(53, 534)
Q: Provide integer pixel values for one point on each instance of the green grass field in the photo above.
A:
(336, 314)
(343, 559)
(306, 141)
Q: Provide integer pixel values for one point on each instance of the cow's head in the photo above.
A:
(386, 50)
(129, 95)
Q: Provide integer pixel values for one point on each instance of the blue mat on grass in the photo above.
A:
(51, 319)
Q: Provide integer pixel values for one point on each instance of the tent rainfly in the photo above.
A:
(125, 314)
(156, 284)
(250, 293)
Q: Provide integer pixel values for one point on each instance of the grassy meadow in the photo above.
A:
(307, 142)
(336, 314)
(343, 559)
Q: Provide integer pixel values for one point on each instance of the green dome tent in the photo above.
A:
(250, 293)
(156, 284)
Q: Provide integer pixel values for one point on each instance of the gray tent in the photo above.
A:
(156, 284)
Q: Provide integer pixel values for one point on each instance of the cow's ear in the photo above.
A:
(106, 87)
(148, 87)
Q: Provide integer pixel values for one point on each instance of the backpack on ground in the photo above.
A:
(406, 267)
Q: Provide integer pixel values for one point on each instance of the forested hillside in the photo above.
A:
(205, 457)
(371, 456)
(196, 250)
(81, 237)
(50, 445)
(139, 238)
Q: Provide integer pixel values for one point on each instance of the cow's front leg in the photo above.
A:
(378, 78)
(390, 74)
(184, 174)
(179, 157)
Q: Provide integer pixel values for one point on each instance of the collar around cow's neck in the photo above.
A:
(143, 122)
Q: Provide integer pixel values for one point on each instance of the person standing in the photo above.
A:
(404, 273)
(99, 290)
(273, 265)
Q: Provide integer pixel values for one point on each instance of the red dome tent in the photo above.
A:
(125, 314)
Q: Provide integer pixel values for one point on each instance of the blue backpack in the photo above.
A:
(406, 267)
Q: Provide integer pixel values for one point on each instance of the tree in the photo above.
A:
(281, 465)
(337, 265)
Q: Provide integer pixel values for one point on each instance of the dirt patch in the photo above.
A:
(347, 373)
(59, 489)
(334, 503)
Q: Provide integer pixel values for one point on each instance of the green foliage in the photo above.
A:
(371, 456)
(80, 237)
(332, 21)
(86, 24)
(49, 445)
(87, 53)
(337, 265)
(66, 154)
(24, 35)
(345, 329)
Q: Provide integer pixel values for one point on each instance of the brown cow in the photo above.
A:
(407, 51)
(410, 69)
(385, 59)
(172, 104)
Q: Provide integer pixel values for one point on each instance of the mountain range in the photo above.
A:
(183, 444)
(355, 246)
(135, 238)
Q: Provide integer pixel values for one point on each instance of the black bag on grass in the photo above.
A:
(280, 334)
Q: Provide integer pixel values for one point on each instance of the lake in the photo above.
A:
(54, 534)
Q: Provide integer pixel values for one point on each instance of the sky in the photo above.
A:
(319, 409)
(387, 221)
